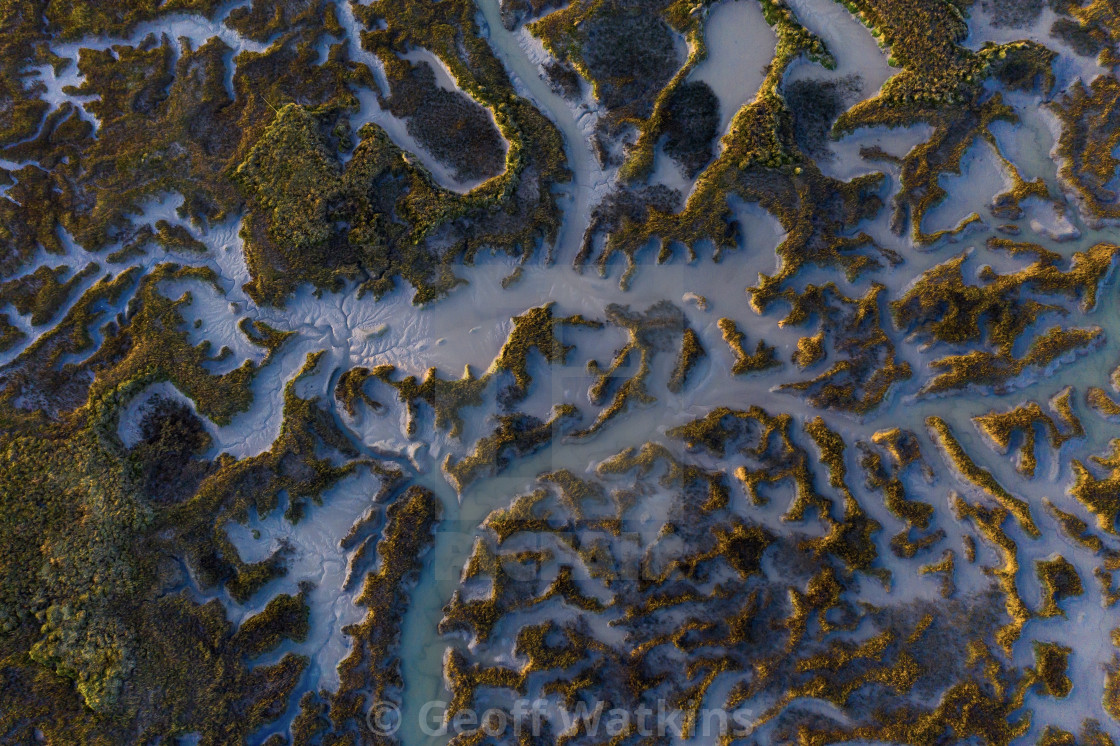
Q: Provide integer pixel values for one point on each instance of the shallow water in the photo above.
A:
(740, 45)
(852, 46)
(981, 178)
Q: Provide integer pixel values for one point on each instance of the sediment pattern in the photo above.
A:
(741, 369)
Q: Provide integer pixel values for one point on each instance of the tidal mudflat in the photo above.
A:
(559, 371)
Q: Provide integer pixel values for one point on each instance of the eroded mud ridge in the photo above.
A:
(566, 371)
